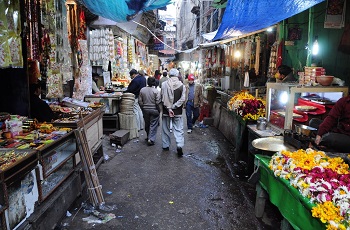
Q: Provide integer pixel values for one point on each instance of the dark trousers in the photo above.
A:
(332, 141)
(192, 114)
(151, 117)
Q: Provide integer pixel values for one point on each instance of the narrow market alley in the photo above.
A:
(148, 188)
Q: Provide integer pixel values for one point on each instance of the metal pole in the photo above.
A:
(310, 36)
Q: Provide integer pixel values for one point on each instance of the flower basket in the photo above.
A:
(247, 106)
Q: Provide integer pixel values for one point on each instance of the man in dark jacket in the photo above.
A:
(39, 109)
(137, 83)
(334, 131)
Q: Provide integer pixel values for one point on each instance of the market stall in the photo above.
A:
(111, 102)
(294, 207)
(309, 187)
(39, 161)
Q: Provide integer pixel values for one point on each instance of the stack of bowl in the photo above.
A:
(127, 103)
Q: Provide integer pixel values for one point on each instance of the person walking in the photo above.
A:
(163, 79)
(173, 95)
(194, 99)
(137, 83)
(149, 101)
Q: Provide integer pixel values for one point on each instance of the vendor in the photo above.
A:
(285, 75)
(39, 109)
(95, 88)
(334, 131)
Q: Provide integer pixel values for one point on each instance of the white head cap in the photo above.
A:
(174, 72)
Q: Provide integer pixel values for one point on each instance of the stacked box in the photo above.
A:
(119, 137)
(311, 73)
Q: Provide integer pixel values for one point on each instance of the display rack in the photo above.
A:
(57, 163)
(111, 109)
(274, 106)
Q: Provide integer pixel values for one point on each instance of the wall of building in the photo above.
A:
(330, 57)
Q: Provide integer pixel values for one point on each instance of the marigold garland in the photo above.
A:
(324, 180)
(247, 106)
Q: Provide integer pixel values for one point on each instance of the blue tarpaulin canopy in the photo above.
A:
(246, 16)
(122, 10)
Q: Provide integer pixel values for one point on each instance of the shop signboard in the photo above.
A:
(158, 45)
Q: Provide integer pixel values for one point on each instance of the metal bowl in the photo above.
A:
(272, 144)
(303, 130)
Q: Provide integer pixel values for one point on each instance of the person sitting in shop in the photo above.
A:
(285, 75)
(39, 109)
(95, 88)
(333, 133)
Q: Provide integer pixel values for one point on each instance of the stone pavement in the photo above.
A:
(148, 188)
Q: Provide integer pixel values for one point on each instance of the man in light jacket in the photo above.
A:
(173, 94)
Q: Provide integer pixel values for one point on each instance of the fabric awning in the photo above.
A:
(122, 10)
(242, 16)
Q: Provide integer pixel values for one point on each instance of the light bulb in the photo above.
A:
(284, 98)
(237, 54)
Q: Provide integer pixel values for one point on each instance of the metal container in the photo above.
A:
(261, 123)
(304, 130)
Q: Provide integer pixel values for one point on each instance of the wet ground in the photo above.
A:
(148, 188)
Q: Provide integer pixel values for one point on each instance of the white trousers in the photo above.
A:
(178, 130)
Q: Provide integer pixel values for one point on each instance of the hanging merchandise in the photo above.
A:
(45, 55)
(213, 58)
(130, 50)
(14, 33)
(222, 57)
(257, 55)
(247, 52)
(246, 79)
(83, 82)
(54, 85)
(272, 62)
(10, 39)
(63, 50)
(279, 53)
(141, 51)
(82, 25)
(101, 46)
(32, 9)
(73, 27)
(227, 58)
(208, 59)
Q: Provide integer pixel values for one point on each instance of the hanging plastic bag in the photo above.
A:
(246, 79)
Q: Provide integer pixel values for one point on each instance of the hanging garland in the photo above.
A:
(33, 29)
